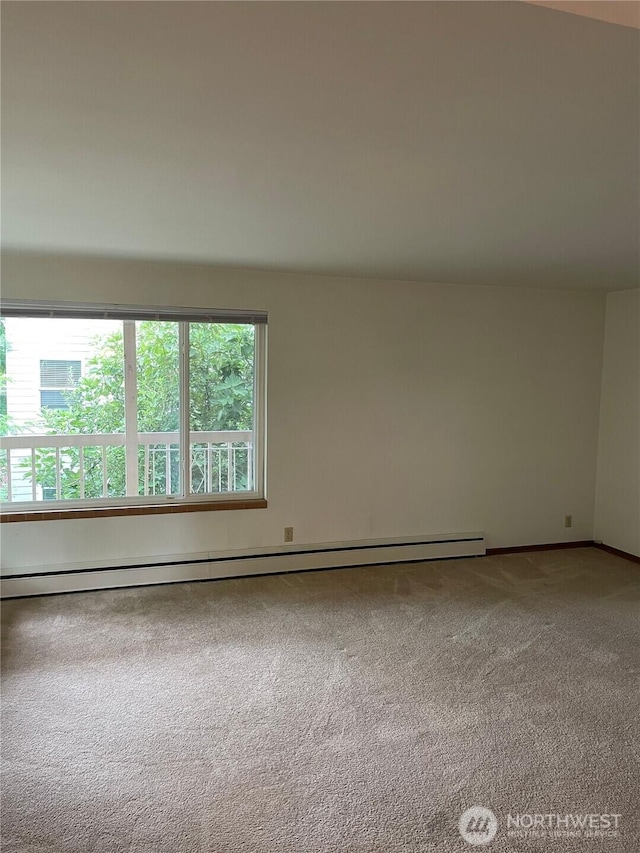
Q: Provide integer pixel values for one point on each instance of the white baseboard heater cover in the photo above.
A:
(176, 568)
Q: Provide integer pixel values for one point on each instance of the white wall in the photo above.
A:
(617, 517)
(393, 409)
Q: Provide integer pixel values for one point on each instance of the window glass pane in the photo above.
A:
(221, 406)
(53, 400)
(59, 373)
(90, 409)
(158, 404)
(61, 377)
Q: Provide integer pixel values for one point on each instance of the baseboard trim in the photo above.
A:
(49, 580)
(617, 552)
(551, 546)
(240, 577)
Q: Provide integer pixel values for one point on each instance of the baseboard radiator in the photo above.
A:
(48, 580)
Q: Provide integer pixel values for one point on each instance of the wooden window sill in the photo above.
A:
(147, 509)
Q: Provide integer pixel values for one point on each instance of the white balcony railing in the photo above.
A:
(55, 467)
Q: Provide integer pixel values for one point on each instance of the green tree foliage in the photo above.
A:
(221, 398)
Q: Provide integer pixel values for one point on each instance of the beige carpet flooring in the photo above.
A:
(346, 711)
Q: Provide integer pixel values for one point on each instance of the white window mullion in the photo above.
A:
(185, 438)
(259, 408)
(130, 406)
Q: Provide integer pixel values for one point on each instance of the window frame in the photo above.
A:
(142, 504)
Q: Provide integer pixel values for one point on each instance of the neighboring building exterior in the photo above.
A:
(45, 357)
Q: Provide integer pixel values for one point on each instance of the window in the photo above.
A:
(59, 375)
(114, 407)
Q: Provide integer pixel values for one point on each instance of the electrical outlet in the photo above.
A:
(288, 534)
(568, 521)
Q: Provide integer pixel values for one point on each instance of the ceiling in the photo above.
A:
(459, 142)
